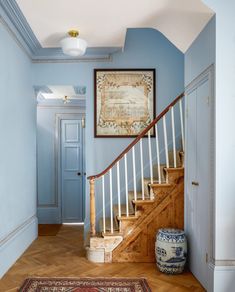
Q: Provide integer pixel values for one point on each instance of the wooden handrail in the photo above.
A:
(141, 135)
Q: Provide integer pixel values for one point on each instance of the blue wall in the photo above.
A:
(198, 58)
(17, 152)
(224, 201)
(201, 53)
(144, 48)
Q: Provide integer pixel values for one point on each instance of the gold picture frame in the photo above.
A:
(124, 101)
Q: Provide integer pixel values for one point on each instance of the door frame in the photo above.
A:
(59, 118)
(207, 74)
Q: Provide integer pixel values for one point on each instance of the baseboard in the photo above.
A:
(13, 245)
(222, 278)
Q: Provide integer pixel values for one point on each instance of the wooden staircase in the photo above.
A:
(127, 233)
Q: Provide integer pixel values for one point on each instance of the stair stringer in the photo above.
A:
(138, 244)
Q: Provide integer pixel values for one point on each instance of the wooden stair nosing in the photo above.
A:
(115, 233)
(127, 218)
(143, 202)
(123, 210)
(174, 169)
(165, 185)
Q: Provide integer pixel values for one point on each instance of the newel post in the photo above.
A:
(92, 207)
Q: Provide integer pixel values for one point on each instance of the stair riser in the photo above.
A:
(173, 175)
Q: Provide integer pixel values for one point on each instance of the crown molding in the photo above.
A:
(13, 19)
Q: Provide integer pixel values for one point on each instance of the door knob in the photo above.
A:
(79, 173)
(195, 183)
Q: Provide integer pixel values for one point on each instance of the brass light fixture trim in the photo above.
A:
(73, 33)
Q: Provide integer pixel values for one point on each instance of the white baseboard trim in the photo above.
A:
(222, 279)
(14, 244)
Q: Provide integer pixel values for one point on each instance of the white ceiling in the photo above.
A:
(53, 92)
(103, 23)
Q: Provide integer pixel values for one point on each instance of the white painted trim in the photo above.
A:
(15, 243)
(36, 60)
(222, 278)
(80, 109)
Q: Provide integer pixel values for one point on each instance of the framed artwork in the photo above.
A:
(124, 101)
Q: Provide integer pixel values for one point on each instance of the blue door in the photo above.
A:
(199, 176)
(72, 171)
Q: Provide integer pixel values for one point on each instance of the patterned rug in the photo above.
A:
(85, 285)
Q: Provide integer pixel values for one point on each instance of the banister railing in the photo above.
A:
(131, 146)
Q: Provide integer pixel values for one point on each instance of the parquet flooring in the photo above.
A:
(63, 255)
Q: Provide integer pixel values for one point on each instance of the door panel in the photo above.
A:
(198, 139)
(203, 177)
(72, 158)
(72, 171)
(191, 168)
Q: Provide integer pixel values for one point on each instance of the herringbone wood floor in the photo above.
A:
(63, 255)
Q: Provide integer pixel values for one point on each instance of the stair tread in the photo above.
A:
(123, 209)
(138, 194)
(161, 185)
(108, 224)
(115, 233)
(139, 202)
(174, 168)
(148, 179)
(130, 217)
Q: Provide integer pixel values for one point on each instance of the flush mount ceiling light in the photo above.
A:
(66, 99)
(73, 45)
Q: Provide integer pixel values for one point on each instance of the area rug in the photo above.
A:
(85, 285)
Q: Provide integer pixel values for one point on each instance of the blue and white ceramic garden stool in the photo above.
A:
(171, 250)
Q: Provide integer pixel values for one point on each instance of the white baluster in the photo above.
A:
(118, 190)
(165, 141)
(142, 168)
(173, 134)
(126, 182)
(158, 156)
(103, 198)
(150, 164)
(181, 123)
(134, 173)
(111, 199)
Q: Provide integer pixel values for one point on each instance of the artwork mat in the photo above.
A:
(149, 102)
